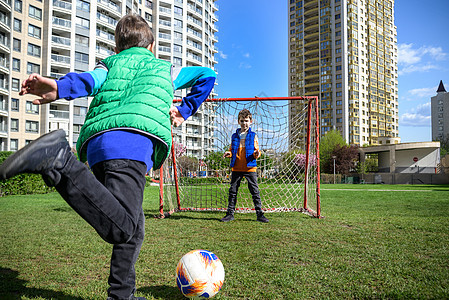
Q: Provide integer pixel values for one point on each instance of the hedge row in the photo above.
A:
(22, 184)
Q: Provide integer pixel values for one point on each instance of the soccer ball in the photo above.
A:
(200, 274)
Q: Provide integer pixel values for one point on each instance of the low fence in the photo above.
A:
(387, 178)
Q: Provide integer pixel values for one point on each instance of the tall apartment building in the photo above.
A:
(440, 114)
(54, 37)
(345, 52)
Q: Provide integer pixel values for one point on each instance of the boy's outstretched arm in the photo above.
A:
(201, 80)
(43, 87)
(70, 86)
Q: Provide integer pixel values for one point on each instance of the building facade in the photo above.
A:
(345, 52)
(440, 114)
(54, 37)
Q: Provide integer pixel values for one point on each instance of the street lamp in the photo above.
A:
(334, 157)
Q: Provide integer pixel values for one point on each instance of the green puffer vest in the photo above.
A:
(136, 96)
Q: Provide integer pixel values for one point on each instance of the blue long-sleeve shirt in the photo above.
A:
(120, 144)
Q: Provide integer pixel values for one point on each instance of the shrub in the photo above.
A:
(22, 184)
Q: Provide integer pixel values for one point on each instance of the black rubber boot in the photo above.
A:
(43, 156)
(227, 218)
(262, 218)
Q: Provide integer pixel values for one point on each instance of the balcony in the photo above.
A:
(165, 10)
(164, 49)
(110, 7)
(165, 36)
(62, 4)
(165, 23)
(59, 114)
(108, 21)
(106, 36)
(196, 22)
(60, 59)
(5, 21)
(56, 75)
(103, 52)
(66, 24)
(61, 41)
(4, 65)
(194, 33)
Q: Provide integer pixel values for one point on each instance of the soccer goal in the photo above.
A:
(288, 169)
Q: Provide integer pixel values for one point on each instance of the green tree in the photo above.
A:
(328, 144)
(216, 161)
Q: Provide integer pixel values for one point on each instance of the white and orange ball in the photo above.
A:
(200, 274)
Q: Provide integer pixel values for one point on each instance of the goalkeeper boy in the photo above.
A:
(243, 152)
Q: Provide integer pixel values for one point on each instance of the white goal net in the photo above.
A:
(288, 169)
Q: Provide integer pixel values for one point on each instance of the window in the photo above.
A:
(16, 45)
(177, 23)
(15, 84)
(32, 108)
(34, 50)
(339, 102)
(18, 6)
(338, 68)
(14, 104)
(339, 111)
(338, 85)
(177, 48)
(17, 25)
(178, 35)
(32, 126)
(14, 125)
(338, 59)
(79, 110)
(16, 64)
(339, 95)
(35, 12)
(81, 40)
(76, 128)
(82, 57)
(14, 145)
(83, 5)
(178, 11)
(148, 17)
(34, 31)
(177, 61)
(82, 23)
(33, 68)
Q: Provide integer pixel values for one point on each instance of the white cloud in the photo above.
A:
(414, 120)
(408, 55)
(222, 55)
(422, 59)
(417, 117)
(417, 68)
(244, 65)
(246, 55)
(423, 92)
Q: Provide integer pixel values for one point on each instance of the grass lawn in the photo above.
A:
(376, 241)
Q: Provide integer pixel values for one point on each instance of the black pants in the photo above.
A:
(236, 178)
(111, 202)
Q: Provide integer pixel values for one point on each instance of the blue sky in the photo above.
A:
(253, 58)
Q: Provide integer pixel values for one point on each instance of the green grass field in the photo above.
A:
(375, 242)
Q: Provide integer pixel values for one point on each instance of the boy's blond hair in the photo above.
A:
(132, 31)
(245, 113)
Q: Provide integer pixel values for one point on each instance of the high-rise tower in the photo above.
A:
(345, 52)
